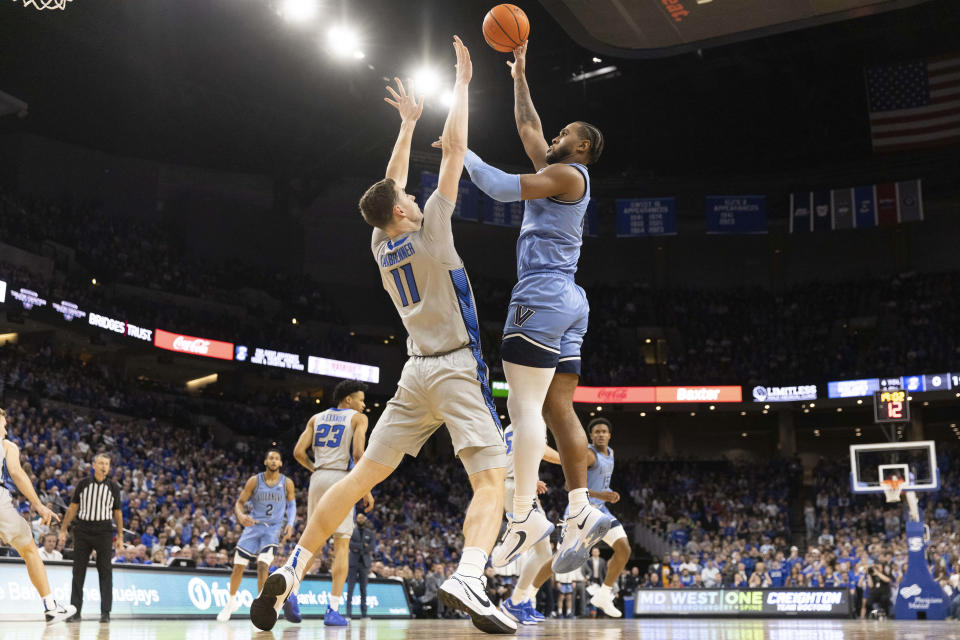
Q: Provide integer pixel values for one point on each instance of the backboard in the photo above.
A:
(915, 462)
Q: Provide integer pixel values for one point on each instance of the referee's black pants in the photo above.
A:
(85, 541)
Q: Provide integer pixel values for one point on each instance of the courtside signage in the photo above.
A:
(614, 395)
(192, 345)
(154, 592)
(771, 603)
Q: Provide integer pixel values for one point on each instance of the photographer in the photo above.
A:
(879, 577)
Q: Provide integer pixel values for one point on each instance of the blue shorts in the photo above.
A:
(258, 538)
(566, 588)
(546, 322)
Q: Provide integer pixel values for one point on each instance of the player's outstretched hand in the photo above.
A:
(368, 502)
(541, 487)
(46, 514)
(613, 497)
(405, 103)
(519, 65)
(464, 64)
(287, 534)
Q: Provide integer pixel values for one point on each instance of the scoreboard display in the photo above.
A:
(891, 405)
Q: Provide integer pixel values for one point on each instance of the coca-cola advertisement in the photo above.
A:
(614, 395)
(193, 345)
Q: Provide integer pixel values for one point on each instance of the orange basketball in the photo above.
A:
(506, 27)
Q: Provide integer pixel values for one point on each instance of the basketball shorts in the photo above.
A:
(546, 322)
(320, 482)
(259, 538)
(14, 530)
(449, 389)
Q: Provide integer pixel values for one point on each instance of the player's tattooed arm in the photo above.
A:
(528, 122)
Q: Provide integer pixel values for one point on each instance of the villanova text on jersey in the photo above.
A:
(269, 503)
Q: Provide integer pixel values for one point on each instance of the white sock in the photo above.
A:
(578, 500)
(48, 602)
(530, 566)
(233, 598)
(472, 562)
(521, 595)
(528, 389)
(604, 589)
(299, 561)
(334, 602)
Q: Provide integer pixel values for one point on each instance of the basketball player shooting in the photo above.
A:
(546, 322)
(443, 381)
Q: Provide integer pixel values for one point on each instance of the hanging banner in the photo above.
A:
(736, 214)
(639, 217)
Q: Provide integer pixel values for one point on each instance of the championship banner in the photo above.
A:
(736, 214)
(760, 603)
(887, 214)
(639, 217)
(152, 592)
(800, 219)
(865, 206)
(822, 216)
(841, 203)
(467, 207)
(502, 214)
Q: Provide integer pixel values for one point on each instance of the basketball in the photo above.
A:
(506, 27)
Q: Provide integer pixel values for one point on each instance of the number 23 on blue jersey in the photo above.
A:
(323, 430)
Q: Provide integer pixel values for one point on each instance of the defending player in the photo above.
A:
(337, 437)
(599, 472)
(274, 507)
(15, 531)
(546, 322)
(520, 604)
(444, 379)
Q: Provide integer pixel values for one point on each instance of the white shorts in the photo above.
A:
(320, 482)
(14, 530)
(436, 390)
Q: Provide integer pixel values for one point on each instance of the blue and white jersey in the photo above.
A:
(269, 503)
(552, 233)
(598, 476)
(333, 439)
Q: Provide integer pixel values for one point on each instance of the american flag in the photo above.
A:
(914, 104)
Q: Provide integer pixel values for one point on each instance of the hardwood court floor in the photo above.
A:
(639, 629)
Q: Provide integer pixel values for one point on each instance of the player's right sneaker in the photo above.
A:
(580, 532)
(520, 536)
(603, 600)
(232, 605)
(469, 595)
(332, 618)
(291, 609)
(59, 613)
(265, 608)
(517, 612)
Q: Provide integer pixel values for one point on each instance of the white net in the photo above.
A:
(46, 4)
(891, 488)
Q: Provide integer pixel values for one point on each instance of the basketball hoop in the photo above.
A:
(892, 487)
(46, 4)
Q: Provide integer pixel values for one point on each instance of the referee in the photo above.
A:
(95, 501)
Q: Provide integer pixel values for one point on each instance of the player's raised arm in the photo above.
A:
(453, 140)
(410, 110)
(528, 122)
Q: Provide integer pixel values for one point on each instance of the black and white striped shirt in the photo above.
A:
(96, 500)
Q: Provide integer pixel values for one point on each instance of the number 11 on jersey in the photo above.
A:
(411, 284)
